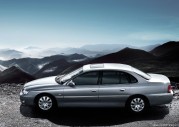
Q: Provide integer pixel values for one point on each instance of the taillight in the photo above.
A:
(170, 89)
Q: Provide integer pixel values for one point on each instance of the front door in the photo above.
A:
(85, 91)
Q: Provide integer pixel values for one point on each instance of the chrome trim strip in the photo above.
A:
(80, 96)
(101, 96)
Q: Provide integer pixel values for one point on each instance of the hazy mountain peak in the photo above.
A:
(171, 43)
(2, 68)
(6, 54)
(165, 48)
(32, 48)
(15, 75)
(105, 47)
(123, 55)
(128, 50)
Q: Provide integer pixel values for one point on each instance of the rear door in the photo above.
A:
(114, 88)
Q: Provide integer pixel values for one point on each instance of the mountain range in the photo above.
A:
(162, 59)
(15, 75)
(2, 68)
(6, 54)
(127, 54)
(87, 50)
(32, 65)
(168, 51)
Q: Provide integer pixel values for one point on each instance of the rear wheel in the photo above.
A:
(137, 104)
(45, 103)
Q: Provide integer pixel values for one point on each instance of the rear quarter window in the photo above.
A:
(132, 79)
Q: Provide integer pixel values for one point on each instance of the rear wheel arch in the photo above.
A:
(137, 103)
(138, 95)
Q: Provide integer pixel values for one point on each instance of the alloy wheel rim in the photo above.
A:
(137, 104)
(45, 103)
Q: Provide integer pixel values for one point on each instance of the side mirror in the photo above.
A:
(71, 83)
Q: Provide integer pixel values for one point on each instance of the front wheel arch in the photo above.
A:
(45, 94)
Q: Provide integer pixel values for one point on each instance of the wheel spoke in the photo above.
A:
(137, 104)
(45, 103)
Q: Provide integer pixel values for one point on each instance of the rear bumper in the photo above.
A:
(159, 99)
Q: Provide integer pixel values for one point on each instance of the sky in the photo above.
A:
(74, 23)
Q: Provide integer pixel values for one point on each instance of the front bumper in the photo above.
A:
(27, 100)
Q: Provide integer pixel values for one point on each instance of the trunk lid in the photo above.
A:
(158, 78)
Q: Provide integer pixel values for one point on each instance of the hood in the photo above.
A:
(158, 78)
(42, 82)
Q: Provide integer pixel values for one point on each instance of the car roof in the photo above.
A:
(107, 66)
(114, 66)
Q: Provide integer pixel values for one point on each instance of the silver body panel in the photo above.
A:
(100, 95)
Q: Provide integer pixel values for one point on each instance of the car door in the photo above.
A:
(114, 88)
(85, 91)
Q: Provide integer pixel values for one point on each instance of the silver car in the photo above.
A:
(99, 85)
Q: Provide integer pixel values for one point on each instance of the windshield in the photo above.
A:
(141, 73)
(72, 74)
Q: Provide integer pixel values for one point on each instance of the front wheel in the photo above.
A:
(45, 103)
(137, 104)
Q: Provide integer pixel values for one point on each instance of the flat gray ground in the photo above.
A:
(13, 114)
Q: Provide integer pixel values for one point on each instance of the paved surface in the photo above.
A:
(13, 114)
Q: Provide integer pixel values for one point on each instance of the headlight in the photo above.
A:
(24, 92)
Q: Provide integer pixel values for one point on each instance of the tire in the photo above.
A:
(137, 104)
(45, 103)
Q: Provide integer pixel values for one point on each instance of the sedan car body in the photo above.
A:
(99, 85)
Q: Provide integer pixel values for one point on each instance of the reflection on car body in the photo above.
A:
(99, 85)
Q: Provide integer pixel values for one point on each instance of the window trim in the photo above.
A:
(100, 75)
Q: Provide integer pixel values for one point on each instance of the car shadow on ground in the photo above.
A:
(95, 116)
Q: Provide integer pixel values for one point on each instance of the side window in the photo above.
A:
(88, 78)
(127, 78)
(123, 78)
(132, 79)
(110, 77)
(117, 77)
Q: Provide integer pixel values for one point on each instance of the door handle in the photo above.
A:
(93, 90)
(122, 89)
